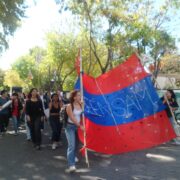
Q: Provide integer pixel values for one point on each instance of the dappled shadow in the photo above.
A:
(19, 160)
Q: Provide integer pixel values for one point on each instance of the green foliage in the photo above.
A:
(28, 65)
(109, 31)
(170, 64)
(11, 12)
(123, 27)
(2, 73)
(12, 78)
(61, 51)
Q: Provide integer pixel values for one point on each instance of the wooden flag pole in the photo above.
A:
(83, 117)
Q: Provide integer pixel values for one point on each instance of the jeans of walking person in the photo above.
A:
(35, 130)
(71, 135)
(56, 127)
(15, 121)
(28, 133)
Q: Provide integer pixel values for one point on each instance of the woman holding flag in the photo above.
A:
(74, 111)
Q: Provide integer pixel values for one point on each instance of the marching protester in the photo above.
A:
(16, 111)
(169, 100)
(46, 98)
(4, 113)
(65, 99)
(54, 119)
(28, 134)
(74, 111)
(35, 115)
(22, 100)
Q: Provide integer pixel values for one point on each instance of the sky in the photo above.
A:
(43, 17)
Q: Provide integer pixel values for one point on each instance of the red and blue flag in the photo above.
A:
(123, 111)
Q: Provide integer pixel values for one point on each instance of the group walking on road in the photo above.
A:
(36, 107)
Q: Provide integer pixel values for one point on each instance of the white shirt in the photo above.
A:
(77, 114)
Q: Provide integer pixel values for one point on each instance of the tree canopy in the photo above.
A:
(124, 27)
(108, 32)
(11, 12)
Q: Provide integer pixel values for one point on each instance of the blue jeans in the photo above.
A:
(15, 121)
(70, 131)
(28, 134)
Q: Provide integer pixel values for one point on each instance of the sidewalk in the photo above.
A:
(19, 161)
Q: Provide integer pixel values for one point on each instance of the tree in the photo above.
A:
(170, 64)
(123, 27)
(12, 78)
(2, 73)
(62, 50)
(29, 65)
(11, 12)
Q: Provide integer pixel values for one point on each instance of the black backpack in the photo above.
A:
(64, 115)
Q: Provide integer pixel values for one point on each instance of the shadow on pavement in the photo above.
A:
(19, 160)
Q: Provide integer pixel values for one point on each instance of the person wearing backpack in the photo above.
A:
(54, 119)
(74, 111)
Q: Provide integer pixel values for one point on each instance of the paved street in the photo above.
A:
(19, 161)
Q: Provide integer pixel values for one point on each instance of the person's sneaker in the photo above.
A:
(71, 169)
(38, 148)
(177, 142)
(53, 146)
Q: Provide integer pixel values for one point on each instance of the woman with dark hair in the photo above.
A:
(28, 133)
(16, 111)
(54, 118)
(34, 115)
(170, 98)
(74, 111)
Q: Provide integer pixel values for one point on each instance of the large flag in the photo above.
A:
(123, 111)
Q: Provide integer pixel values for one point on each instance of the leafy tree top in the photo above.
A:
(11, 12)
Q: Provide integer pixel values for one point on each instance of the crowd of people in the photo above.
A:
(37, 107)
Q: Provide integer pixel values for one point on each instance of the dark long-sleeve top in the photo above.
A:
(34, 108)
(173, 103)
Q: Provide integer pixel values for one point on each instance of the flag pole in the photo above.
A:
(82, 100)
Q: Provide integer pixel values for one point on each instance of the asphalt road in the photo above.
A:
(20, 161)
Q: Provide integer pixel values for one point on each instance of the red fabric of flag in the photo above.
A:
(82, 151)
(123, 112)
